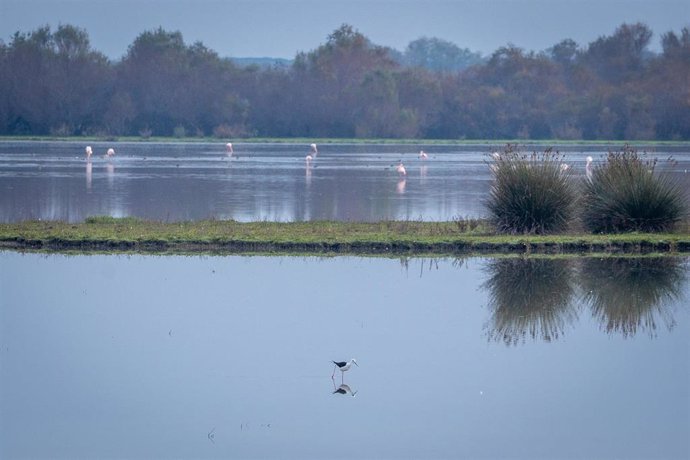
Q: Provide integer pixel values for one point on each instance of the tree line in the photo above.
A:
(615, 88)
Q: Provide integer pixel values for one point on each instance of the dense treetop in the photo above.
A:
(53, 82)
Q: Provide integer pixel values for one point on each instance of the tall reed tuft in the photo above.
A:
(531, 193)
(626, 194)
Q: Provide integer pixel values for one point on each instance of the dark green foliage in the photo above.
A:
(439, 55)
(626, 193)
(54, 83)
(531, 193)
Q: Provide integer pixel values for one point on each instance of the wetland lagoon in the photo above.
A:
(115, 356)
(207, 356)
(173, 182)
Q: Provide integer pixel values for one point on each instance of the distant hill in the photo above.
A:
(262, 61)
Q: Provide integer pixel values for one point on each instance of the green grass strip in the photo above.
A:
(323, 237)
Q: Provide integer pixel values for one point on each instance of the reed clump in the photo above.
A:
(531, 193)
(626, 193)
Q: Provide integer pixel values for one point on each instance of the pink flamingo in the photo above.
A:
(313, 151)
(589, 168)
(423, 155)
(110, 152)
(228, 149)
(401, 169)
(89, 151)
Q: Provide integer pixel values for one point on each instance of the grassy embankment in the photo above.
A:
(388, 238)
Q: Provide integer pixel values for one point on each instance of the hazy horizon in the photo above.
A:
(281, 29)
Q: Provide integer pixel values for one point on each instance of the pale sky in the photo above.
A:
(281, 28)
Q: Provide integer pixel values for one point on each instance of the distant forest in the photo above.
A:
(615, 88)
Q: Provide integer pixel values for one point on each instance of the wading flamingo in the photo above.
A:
(313, 151)
(589, 168)
(401, 169)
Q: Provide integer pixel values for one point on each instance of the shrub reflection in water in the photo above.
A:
(537, 297)
(529, 297)
(633, 294)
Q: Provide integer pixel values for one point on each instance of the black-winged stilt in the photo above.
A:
(343, 366)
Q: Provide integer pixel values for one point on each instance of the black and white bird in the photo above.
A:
(344, 366)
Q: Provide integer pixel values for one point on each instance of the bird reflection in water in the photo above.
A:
(400, 186)
(344, 389)
(110, 172)
(307, 172)
(89, 174)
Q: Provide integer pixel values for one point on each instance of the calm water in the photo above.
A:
(171, 182)
(229, 357)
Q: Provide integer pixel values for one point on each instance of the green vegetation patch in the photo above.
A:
(324, 237)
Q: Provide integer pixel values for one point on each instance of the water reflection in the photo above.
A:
(110, 173)
(307, 172)
(400, 187)
(631, 295)
(186, 362)
(344, 389)
(89, 174)
(191, 181)
(535, 297)
(529, 297)
(423, 171)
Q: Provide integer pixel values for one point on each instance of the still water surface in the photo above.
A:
(183, 181)
(230, 357)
